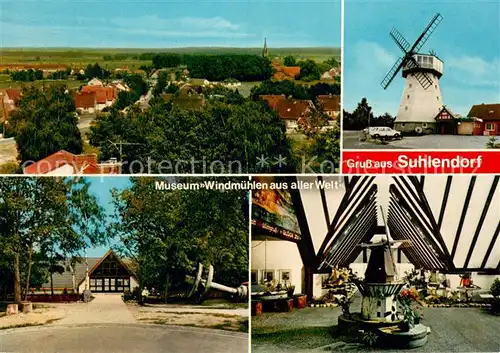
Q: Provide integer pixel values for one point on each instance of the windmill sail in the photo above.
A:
(419, 43)
(421, 76)
(400, 40)
(392, 73)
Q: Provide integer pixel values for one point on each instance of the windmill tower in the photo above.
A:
(422, 100)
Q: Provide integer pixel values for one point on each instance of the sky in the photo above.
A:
(467, 40)
(166, 24)
(101, 187)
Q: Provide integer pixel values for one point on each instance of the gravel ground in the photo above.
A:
(351, 141)
(191, 315)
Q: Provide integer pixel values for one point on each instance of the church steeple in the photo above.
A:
(264, 51)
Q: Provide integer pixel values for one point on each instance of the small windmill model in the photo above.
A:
(421, 101)
(380, 280)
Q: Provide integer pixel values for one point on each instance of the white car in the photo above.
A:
(383, 132)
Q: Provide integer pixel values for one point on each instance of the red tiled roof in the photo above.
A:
(485, 111)
(292, 109)
(85, 100)
(329, 102)
(286, 72)
(103, 94)
(14, 94)
(272, 99)
(82, 164)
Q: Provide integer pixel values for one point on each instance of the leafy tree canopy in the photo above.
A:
(44, 123)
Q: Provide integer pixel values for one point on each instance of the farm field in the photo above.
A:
(129, 56)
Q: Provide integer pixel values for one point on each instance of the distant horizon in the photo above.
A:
(182, 47)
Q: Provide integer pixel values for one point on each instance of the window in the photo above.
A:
(254, 277)
(406, 108)
(435, 86)
(490, 127)
(267, 276)
(437, 97)
(407, 96)
(285, 276)
(409, 85)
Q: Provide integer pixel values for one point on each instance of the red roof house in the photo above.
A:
(286, 73)
(329, 104)
(66, 163)
(272, 99)
(489, 117)
(85, 101)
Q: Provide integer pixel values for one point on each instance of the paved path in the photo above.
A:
(309, 330)
(108, 338)
(351, 141)
(105, 308)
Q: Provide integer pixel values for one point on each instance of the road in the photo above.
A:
(351, 141)
(104, 308)
(106, 325)
(123, 338)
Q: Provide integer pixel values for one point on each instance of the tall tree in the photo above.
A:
(44, 123)
(169, 232)
(358, 119)
(45, 219)
(290, 60)
(30, 211)
(245, 132)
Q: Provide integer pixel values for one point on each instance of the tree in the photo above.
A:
(87, 219)
(383, 120)
(165, 136)
(321, 150)
(309, 70)
(332, 62)
(30, 215)
(96, 70)
(42, 220)
(358, 119)
(44, 123)
(169, 232)
(290, 61)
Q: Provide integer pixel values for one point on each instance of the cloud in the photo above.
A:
(474, 70)
(190, 24)
(374, 55)
(145, 26)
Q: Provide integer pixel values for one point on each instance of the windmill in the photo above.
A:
(422, 100)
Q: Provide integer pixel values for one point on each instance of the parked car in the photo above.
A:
(383, 132)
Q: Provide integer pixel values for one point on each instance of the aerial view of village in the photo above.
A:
(122, 264)
(170, 88)
(429, 83)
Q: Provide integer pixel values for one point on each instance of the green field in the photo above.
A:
(81, 57)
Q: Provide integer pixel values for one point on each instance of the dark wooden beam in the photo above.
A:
(481, 219)
(324, 203)
(462, 216)
(491, 246)
(444, 201)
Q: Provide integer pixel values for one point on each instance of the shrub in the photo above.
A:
(495, 288)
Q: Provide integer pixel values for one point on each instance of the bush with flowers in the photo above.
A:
(409, 310)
